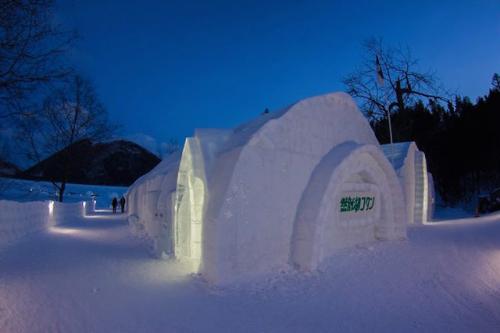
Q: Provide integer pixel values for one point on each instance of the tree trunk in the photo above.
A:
(399, 96)
(61, 191)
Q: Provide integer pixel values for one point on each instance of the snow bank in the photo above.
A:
(18, 219)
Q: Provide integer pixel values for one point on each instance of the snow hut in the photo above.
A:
(290, 187)
(418, 186)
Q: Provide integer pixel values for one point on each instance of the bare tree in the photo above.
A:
(31, 49)
(402, 83)
(70, 114)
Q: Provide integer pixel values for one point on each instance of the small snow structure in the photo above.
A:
(418, 185)
(286, 189)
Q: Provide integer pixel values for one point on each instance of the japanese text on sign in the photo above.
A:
(356, 203)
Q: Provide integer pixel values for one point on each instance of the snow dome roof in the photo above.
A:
(333, 115)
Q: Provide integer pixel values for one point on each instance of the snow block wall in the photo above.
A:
(411, 166)
(64, 212)
(150, 203)
(20, 219)
(288, 188)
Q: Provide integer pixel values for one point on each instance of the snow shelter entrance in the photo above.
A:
(350, 199)
(189, 205)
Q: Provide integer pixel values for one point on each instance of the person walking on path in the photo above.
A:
(122, 203)
(114, 203)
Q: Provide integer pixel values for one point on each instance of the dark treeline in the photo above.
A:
(461, 142)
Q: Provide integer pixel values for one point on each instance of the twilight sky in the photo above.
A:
(164, 68)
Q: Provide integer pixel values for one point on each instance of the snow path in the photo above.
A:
(92, 276)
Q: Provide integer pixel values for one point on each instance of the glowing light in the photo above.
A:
(188, 209)
(197, 193)
(51, 207)
(65, 231)
(103, 210)
(91, 235)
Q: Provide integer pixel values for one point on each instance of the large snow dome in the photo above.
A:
(289, 188)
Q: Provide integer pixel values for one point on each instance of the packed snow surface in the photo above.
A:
(91, 275)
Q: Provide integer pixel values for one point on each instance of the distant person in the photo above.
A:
(114, 203)
(122, 203)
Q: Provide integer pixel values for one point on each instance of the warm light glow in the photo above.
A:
(104, 217)
(51, 207)
(421, 204)
(188, 210)
(103, 210)
(197, 196)
(94, 235)
(64, 231)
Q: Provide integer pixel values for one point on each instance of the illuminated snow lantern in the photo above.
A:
(418, 186)
(288, 188)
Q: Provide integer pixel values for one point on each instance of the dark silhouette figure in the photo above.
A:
(114, 203)
(122, 203)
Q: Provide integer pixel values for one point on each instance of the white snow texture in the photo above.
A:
(20, 219)
(240, 204)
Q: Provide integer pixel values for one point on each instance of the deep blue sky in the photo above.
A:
(163, 68)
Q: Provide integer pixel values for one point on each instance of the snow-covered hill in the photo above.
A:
(116, 162)
(8, 169)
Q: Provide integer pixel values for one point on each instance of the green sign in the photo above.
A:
(356, 203)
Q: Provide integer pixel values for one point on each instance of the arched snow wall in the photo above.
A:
(259, 179)
(322, 225)
(411, 167)
(150, 205)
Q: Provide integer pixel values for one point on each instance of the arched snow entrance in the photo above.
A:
(190, 200)
(353, 196)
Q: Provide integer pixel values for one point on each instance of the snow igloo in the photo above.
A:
(288, 189)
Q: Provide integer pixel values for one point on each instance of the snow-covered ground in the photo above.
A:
(26, 190)
(90, 275)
